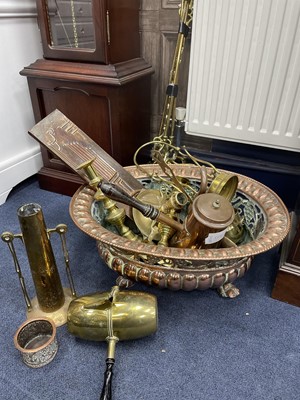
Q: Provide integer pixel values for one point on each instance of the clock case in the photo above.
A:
(105, 92)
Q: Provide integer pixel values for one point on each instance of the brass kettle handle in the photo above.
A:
(106, 393)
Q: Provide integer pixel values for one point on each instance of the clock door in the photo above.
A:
(94, 31)
(74, 30)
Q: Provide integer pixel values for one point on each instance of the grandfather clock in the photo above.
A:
(93, 73)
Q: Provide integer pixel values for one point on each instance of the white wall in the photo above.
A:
(20, 45)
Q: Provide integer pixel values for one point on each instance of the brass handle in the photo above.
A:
(110, 360)
(108, 374)
(115, 193)
(107, 27)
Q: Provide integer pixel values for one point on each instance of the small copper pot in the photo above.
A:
(36, 341)
(206, 223)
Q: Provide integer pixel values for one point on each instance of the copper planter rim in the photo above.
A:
(276, 214)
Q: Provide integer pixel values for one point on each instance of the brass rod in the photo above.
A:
(61, 229)
(8, 238)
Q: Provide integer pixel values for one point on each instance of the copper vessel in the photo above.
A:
(36, 341)
(266, 222)
(206, 223)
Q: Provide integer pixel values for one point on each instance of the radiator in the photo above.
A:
(244, 72)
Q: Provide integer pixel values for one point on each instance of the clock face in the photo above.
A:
(71, 24)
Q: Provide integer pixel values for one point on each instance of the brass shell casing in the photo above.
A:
(49, 291)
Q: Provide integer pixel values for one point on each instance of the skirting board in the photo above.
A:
(16, 169)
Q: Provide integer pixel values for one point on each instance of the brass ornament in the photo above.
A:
(236, 232)
(148, 227)
(167, 204)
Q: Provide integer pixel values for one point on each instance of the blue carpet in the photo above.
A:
(206, 347)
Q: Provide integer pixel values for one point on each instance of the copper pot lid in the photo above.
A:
(213, 210)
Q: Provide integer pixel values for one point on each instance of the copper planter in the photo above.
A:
(266, 219)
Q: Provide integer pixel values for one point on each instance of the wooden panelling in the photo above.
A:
(170, 4)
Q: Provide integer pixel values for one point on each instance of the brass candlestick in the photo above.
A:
(115, 215)
(175, 203)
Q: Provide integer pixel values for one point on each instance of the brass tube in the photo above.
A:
(49, 291)
(111, 346)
